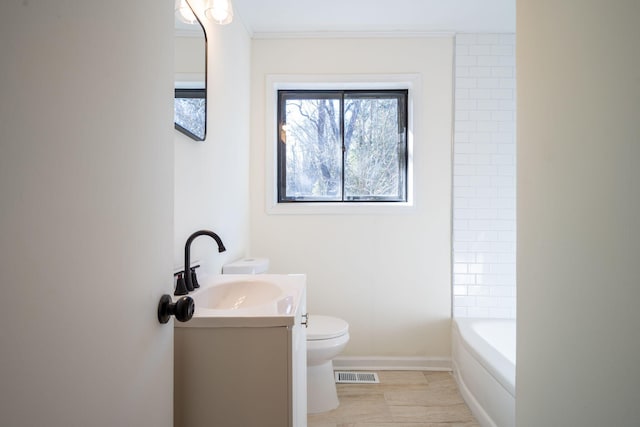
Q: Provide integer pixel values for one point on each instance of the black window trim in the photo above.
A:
(403, 120)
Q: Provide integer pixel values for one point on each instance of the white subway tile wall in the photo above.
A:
(484, 177)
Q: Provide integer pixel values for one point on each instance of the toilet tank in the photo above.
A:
(247, 266)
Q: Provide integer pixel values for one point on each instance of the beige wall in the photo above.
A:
(212, 177)
(388, 275)
(189, 55)
(578, 209)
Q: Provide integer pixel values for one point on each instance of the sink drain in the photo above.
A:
(343, 377)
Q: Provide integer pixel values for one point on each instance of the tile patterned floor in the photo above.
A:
(403, 398)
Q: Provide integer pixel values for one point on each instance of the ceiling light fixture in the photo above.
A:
(219, 11)
(184, 12)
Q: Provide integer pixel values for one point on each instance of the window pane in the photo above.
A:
(189, 113)
(374, 147)
(342, 146)
(313, 153)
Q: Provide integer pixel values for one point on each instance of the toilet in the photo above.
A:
(327, 336)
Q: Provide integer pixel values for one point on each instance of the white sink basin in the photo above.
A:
(260, 300)
(238, 295)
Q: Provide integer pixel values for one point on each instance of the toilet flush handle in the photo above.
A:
(305, 320)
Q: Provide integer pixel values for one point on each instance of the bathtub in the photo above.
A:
(484, 366)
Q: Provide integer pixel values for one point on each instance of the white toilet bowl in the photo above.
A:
(326, 338)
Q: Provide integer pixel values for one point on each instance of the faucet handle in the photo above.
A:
(194, 277)
(181, 287)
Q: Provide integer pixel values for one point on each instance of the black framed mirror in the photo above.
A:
(190, 97)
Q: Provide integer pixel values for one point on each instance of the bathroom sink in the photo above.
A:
(238, 295)
(233, 300)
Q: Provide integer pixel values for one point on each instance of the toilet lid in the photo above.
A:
(325, 327)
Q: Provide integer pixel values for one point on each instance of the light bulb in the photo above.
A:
(184, 12)
(220, 11)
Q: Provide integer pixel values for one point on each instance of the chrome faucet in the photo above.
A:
(187, 256)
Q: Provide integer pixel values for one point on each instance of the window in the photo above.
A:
(342, 146)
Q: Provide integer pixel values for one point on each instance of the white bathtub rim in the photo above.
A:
(476, 408)
(503, 370)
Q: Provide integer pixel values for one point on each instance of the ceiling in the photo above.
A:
(265, 17)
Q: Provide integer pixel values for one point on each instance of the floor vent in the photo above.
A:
(356, 377)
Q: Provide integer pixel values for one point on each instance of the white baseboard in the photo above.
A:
(382, 363)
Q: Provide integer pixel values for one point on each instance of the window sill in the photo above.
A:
(352, 208)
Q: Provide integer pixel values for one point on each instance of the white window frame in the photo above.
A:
(274, 83)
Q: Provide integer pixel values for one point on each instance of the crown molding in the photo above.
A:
(349, 34)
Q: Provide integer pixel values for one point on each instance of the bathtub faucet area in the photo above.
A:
(188, 277)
